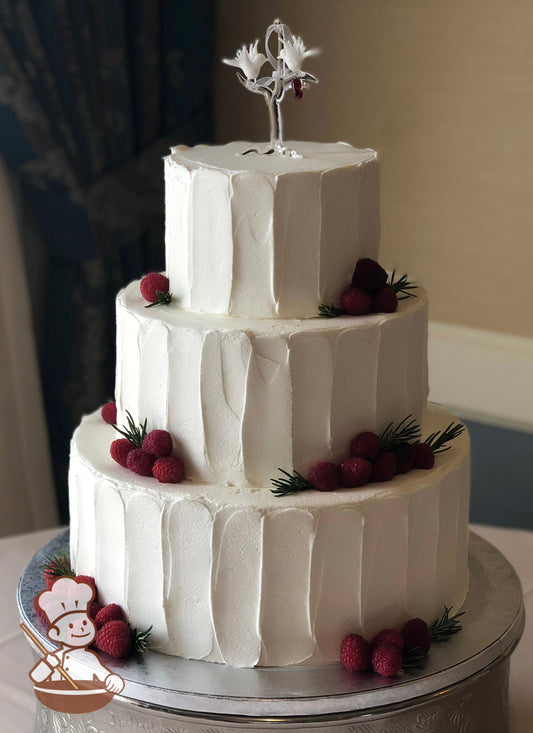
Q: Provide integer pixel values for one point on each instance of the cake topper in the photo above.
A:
(287, 72)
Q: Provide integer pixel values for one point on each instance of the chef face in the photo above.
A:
(74, 629)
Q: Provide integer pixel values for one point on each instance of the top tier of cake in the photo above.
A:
(267, 236)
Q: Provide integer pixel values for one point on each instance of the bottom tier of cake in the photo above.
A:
(239, 576)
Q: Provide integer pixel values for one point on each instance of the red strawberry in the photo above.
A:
(424, 456)
(405, 455)
(169, 470)
(416, 634)
(120, 449)
(388, 636)
(369, 275)
(111, 612)
(89, 581)
(39, 611)
(155, 288)
(355, 472)
(356, 302)
(384, 467)
(94, 608)
(324, 476)
(158, 443)
(355, 653)
(114, 638)
(140, 462)
(109, 413)
(386, 660)
(365, 445)
(385, 300)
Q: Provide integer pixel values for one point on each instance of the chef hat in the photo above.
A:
(65, 596)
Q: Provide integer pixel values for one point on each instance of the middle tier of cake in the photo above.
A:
(242, 397)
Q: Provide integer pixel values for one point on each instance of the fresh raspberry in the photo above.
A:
(369, 275)
(388, 636)
(384, 467)
(120, 449)
(111, 612)
(114, 638)
(297, 88)
(94, 608)
(356, 302)
(153, 283)
(365, 445)
(158, 443)
(386, 660)
(424, 456)
(405, 455)
(39, 611)
(355, 653)
(109, 413)
(324, 476)
(416, 634)
(169, 470)
(140, 462)
(385, 300)
(355, 472)
(89, 581)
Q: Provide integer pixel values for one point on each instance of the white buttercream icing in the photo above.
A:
(236, 575)
(242, 396)
(266, 235)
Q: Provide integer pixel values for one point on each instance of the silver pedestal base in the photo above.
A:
(463, 689)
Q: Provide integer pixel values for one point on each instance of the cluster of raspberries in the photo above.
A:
(369, 463)
(384, 655)
(113, 636)
(152, 459)
(369, 291)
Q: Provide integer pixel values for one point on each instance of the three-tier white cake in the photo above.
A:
(246, 378)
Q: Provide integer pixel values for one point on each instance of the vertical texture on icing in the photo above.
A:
(236, 585)
(253, 258)
(241, 400)
(111, 545)
(144, 570)
(285, 613)
(268, 238)
(423, 548)
(187, 561)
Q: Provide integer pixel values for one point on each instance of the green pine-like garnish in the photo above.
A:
(406, 431)
(291, 484)
(141, 639)
(446, 626)
(134, 433)
(58, 565)
(329, 311)
(402, 286)
(162, 299)
(413, 659)
(437, 440)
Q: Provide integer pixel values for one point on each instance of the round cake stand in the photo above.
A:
(463, 688)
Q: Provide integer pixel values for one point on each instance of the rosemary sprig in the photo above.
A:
(58, 565)
(445, 626)
(329, 311)
(141, 639)
(403, 285)
(406, 431)
(134, 433)
(437, 440)
(413, 659)
(290, 485)
(162, 299)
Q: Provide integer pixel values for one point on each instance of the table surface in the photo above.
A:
(16, 693)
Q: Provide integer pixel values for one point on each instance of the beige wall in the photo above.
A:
(443, 89)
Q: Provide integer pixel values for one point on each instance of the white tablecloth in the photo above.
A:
(16, 693)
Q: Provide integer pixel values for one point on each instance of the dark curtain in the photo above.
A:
(92, 94)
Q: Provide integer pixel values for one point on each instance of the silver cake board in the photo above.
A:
(463, 687)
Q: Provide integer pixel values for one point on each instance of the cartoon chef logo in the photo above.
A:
(71, 678)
